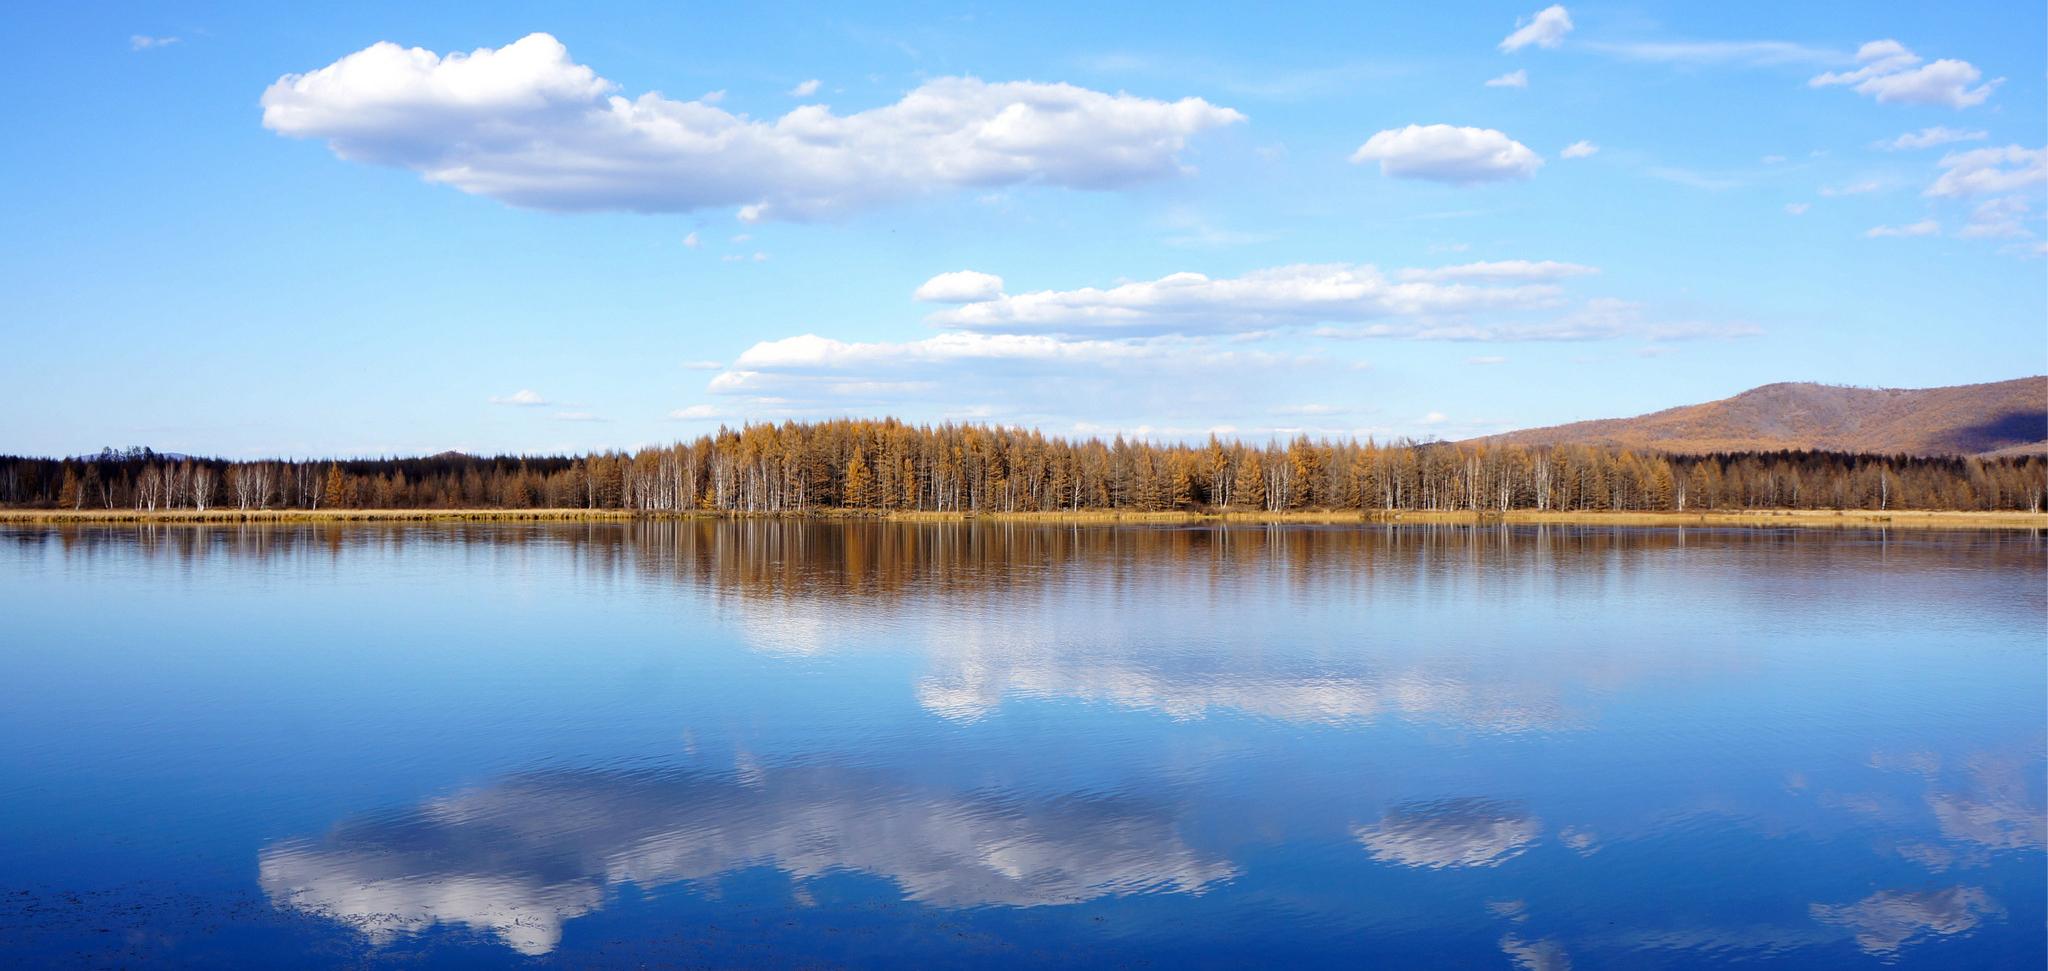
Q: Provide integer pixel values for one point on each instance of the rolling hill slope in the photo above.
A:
(1972, 419)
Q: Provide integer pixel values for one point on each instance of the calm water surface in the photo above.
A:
(754, 744)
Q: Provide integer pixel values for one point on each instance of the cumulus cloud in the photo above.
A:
(1448, 153)
(1889, 72)
(528, 126)
(1579, 149)
(1186, 350)
(1925, 227)
(960, 286)
(1545, 29)
(1029, 378)
(1513, 79)
(1931, 137)
(1990, 171)
(804, 89)
(524, 397)
(812, 352)
(1188, 302)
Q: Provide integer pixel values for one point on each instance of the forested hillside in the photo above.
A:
(891, 466)
(1970, 419)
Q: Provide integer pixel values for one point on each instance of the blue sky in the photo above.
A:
(264, 230)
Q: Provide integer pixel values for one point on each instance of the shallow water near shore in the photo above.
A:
(813, 743)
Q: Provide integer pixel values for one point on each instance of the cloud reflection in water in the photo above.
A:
(1450, 833)
(518, 858)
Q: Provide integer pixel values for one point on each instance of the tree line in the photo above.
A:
(889, 465)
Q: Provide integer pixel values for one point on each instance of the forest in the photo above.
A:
(891, 466)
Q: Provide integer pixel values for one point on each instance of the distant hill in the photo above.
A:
(2008, 417)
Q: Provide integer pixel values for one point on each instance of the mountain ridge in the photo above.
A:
(2005, 417)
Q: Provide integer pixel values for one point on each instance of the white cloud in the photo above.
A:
(810, 352)
(1930, 137)
(1447, 153)
(692, 241)
(1877, 58)
(1517, 78)
(702, 365)
(1484, 301)
(960, 286)
(1798, 208)
(1190, 302)
(1892, 74)
(1486, 359)
(1025, 378)
(524, 397)
(528, 126)
(1184, 351)
(1989, 171)
(1568, 327)
(144, 42)
(1579, 149)
(1925, 227)
(804, 89)
(1999, 218)
(1545, 29)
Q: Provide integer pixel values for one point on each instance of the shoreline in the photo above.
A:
(1753, 518)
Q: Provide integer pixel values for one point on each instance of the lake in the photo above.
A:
(773, 743)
